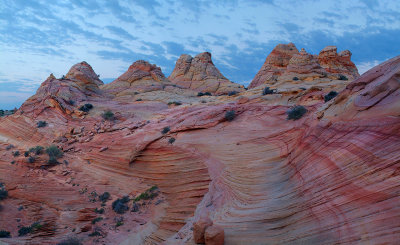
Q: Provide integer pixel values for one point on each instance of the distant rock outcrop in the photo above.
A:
(140, 77)
(64, 94)
(200, 74)
(285, 62)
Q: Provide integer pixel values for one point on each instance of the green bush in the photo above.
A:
(94, 221)
(108, 115)
(54, 153)
(343, 77)
(295, 78)
(330, 96)
(41, 124)
(37, 150)
(268, 91)
(24, 230)
(3, 192)
(99, 211)
(70, 241)
(16, 153)
(165, 130)
(171, 140)
(86, 107)
(175, 103)
(231, 93)
(148, 194)
(26, 154)
(119, 206)
(296, 112)
(31, 159)
(230, 115)
(5, 234)
(104, 197)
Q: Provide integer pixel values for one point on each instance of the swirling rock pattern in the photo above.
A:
(331, 177)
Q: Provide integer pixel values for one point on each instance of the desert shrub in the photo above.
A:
(296, 112)
(26, 153)
(148, 194)
(12, 162)
(139, 100)
(71, 102)
(99, 211)
(95, 220)
(70, 241)
(207, 94)
(37, 150)
(95, 233)
(24, 230)
(175, 103)
(330, 96)
(165, 130)
(266, 90)
(108, 115)
(231, 93)
(86, 107)
(295, 78)
(54, 153)
(3, 192)
(119, 223)
(31, 159)
(104, 197)
(119, 206)
(230, 115)
(1, 113)
(41, 124)
(171, 140)
(199, 94)
(9, 147)
(16, 153)
(4, 234)
(343, 77)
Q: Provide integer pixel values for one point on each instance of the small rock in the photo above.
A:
(199, 229)
(214, 235)
(103, 149)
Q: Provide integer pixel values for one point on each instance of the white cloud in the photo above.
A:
(365, 66)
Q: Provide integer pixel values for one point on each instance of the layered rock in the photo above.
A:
(61, 96)
(340, 63)
(201, 75)
(285, 63)
(275, 64)
(140, 77)
(331, 176)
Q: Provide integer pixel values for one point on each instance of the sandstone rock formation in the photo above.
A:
(331, 176)
(200, 74)
(285, 62)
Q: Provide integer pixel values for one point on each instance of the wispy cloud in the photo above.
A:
(44, 37)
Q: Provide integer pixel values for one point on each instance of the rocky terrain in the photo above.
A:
(309, 154)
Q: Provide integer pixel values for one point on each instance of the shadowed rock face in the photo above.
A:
(285, 61)
(200, 74)
(330, 177)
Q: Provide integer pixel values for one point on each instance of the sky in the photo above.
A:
(39, 37)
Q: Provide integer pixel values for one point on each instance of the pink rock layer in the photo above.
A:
(330, 177)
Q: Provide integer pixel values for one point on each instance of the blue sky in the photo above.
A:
(39, 37)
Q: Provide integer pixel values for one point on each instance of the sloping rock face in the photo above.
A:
(330, 177)
(285, 63)
(200, 74)
(140, 77)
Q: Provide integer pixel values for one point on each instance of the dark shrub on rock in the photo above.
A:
(296, 112)
(267, 90)
(230, 115)
(41, 124)
(330, 96)
(86, 107)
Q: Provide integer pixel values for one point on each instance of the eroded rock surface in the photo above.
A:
(331, 176)
(200, 74)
